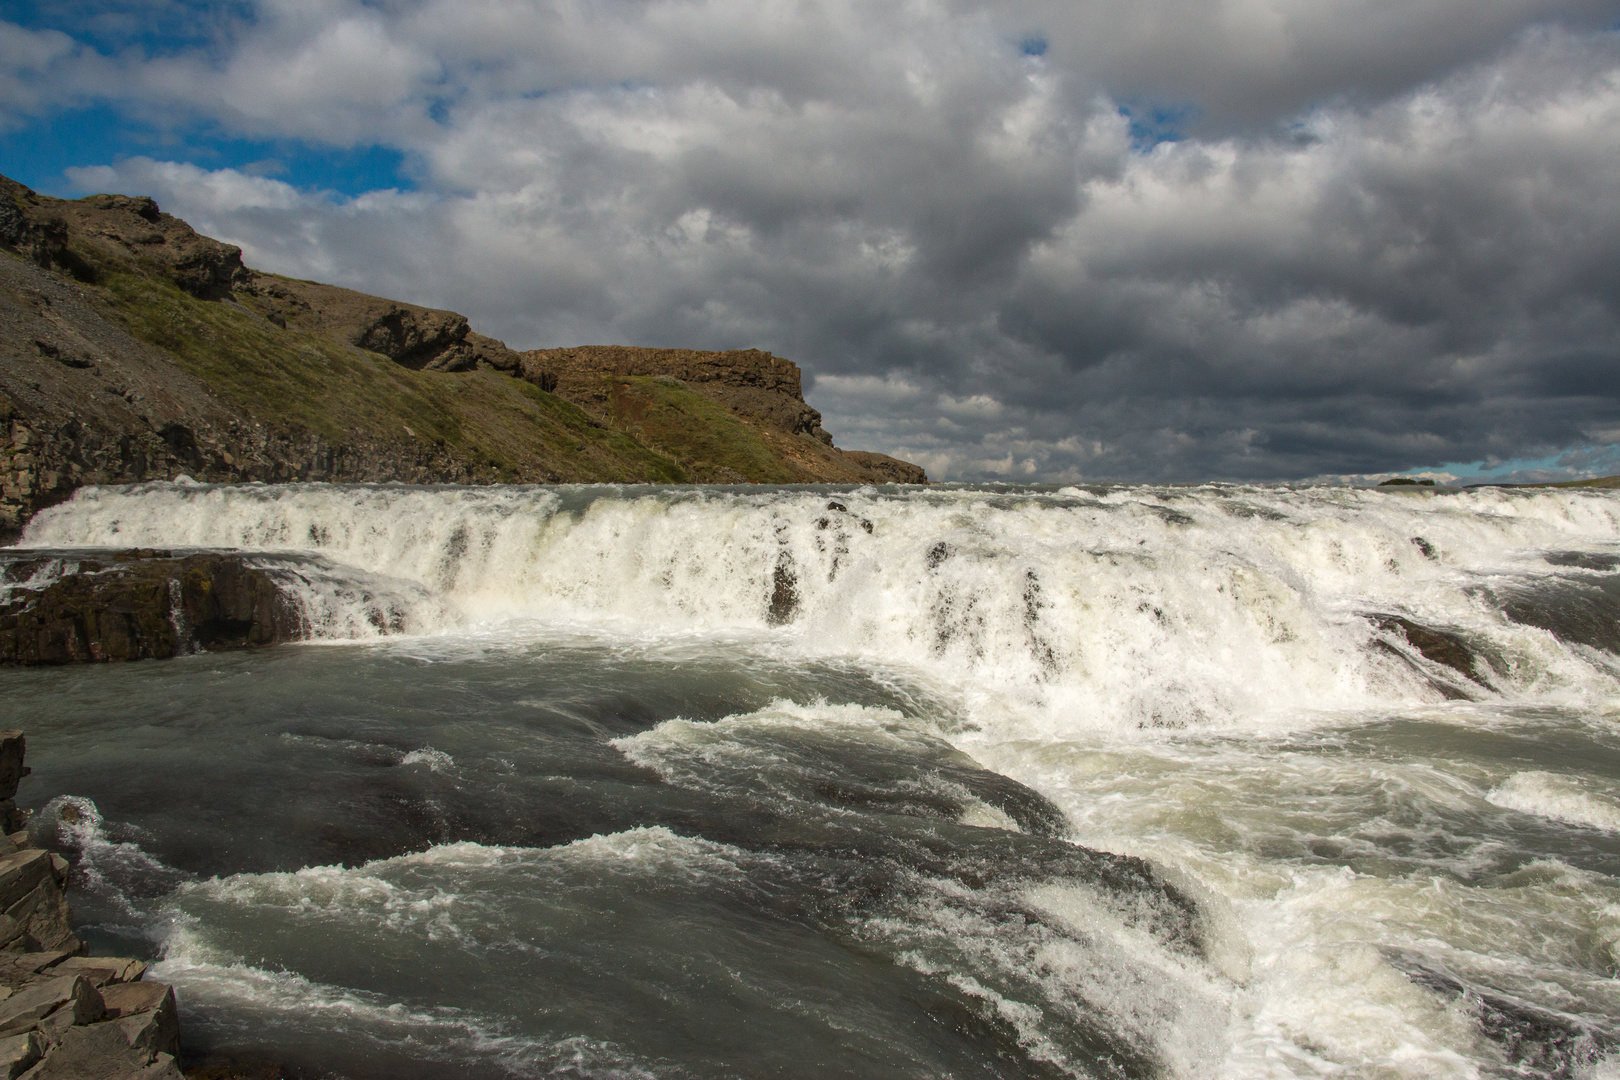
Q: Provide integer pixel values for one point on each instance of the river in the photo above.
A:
(962, 781)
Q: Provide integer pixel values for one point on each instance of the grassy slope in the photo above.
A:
(702, 435)
(290, 379)
(1596, 482)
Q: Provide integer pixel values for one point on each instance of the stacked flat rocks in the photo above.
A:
(63, 1014)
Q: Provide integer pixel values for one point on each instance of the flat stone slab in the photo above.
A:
(101, 970)
(18, 1054)
(100, 1052)
(21, 873)
(27, 1007)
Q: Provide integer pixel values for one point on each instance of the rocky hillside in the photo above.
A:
(133, 348)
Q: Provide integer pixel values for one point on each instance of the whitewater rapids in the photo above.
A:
(1117, 781)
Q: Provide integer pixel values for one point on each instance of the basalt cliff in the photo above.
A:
(133, 349)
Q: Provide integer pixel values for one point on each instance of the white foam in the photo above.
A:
(982, 814)
(1081, 637)
(118, 871)
(435, 760)
(1309, 947)
(1078, 966)
(390, 892)
(1142, 610)
(216, 981)
(1560, 798)
(686, 751)
(656, 852)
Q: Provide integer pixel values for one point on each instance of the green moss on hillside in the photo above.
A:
(341, 392)
(708, 440)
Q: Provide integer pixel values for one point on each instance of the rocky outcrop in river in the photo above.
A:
(136, 605)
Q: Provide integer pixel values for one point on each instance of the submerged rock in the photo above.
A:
(1538, 1041)
(1440, 646)
(145, 604)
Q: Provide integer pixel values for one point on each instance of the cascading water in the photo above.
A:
(1218, 781)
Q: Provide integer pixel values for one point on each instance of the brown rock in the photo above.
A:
(18, 1053)
(21, 873)
(750, 382)
(103, 970)
(416, 337)
(891, 469)
(116, 232)
(766, 391)
(11, 933)
(97, 1052)
(12, 749)
(20, 967)
(1436, 645)
(138, 605)
(32, 1004)
(148, 1014)
(43, 914)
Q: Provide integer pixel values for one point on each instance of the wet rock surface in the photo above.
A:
(1439, 646)
(137, 605)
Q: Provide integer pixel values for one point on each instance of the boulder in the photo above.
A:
(21, 872)
(1436, 645)
(137, 605)
(147, 1014)
(21, 967)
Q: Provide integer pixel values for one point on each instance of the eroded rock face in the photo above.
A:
(138, 605)
(891, 469)
(420, 338)
(121, 230)
(748, 381)
(766, 391)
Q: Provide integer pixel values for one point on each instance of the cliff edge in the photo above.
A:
(133, 348)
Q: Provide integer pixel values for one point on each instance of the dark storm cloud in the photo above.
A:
(1385, 239)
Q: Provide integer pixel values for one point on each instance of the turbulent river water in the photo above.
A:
(808, 782)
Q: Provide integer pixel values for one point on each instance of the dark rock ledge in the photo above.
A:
(1448, 649)
(65, 1015)
(137, 604)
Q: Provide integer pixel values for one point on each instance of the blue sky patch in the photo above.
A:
(1571, 463)
(40, 153)
(155, 27)
(1152, 125)
(1033, 45)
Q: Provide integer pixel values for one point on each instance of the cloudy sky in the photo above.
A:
(1030, 240)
